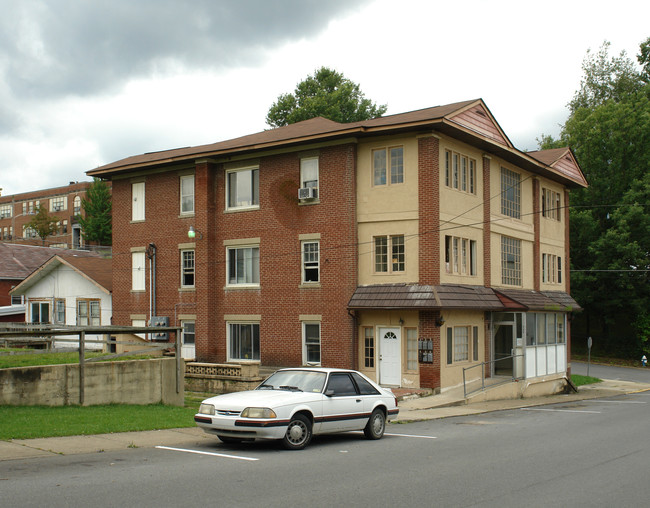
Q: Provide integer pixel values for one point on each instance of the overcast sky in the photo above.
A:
(84, 83)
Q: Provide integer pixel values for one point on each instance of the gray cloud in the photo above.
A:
(77, 47)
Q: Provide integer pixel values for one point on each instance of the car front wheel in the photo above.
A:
(298, 433)
(376, 425)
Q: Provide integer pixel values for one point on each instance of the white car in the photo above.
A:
(294, 404)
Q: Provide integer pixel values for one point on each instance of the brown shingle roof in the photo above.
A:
(17, 261)
(453, 296)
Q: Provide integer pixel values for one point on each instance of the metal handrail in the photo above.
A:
(482, 366)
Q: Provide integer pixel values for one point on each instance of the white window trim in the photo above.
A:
(227, 189)
(182, 268)
(246, 284)
(138, 280)
(242, 322)
(138, 208)
(303, 266)
(180, 192)
(303, 161)
(311, 320)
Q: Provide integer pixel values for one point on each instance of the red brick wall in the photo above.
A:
(429, 210)
(487, 229)
(278, 223)
(537, 212)
(430, 372)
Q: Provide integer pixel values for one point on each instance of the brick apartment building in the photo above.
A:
(410, 247)
(17, 210)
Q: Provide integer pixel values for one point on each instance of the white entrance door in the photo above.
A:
(390, 359)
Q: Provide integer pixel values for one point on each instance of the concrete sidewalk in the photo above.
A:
(411, 410)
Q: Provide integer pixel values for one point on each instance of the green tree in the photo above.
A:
(328, 94)
(44, 224)
(97, 223)
(609, 131)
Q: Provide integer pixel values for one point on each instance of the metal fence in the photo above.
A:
(493, 380)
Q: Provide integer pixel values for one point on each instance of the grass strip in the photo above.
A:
(579, 380)
(33, 358)
(28, 422)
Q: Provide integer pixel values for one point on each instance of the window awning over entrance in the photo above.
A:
(423, 297)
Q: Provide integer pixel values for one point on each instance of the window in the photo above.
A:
(244, 341)
(137, 271)
(17, 299)
(5, 211)
(59, 311)
(137, 201)
(242, 188)
(475, 343)
(368, 347)
(460, 255)
(340, 385)
(461, 343)
(310, 261)
(309, 174)
(311, 343)
(551, 204)
(544, 328)
(88, 313)
(460, 172)
(57, 204)
(188, 335)
(551, 269)
(77, 205)
(388, 165)
(510, 193)
(510, 261)
(40, 312)
(64, 227)
(243, 266)
(187, 194)
(397, 252)
(187, 268)
(411, 349)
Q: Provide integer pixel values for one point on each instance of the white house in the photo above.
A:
(69, 290)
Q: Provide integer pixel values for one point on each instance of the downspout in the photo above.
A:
(151, 254)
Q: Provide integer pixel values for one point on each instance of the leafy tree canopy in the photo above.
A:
(44, 224)
(97, 222)
(328, 94)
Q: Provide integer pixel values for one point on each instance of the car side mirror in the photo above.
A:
(329, 393)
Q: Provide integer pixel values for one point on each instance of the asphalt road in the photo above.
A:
(588, 453)
(639, 375)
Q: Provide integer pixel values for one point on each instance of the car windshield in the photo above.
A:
(295, 380)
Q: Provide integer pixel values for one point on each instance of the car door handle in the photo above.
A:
(358, 400)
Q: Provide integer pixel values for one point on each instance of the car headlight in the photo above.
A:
(206, 409)
(258, 412)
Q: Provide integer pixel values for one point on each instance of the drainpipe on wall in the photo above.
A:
(151, 254)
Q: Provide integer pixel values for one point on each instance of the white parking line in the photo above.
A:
(411, 435)
(559, 410)
(207, 453)
(620, 401)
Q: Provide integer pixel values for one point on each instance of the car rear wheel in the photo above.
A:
(298, 433)
(376, 425)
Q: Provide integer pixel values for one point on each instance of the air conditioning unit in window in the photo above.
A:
(56, 208)
(306, 193)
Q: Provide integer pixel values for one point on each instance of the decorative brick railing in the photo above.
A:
(221, 377)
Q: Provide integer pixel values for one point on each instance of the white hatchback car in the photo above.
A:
(294, 404)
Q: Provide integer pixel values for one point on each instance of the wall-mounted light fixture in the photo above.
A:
(191, 233)
(440, 320)
(401, 321)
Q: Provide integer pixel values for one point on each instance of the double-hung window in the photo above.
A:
(59, 310)
(510, 193)
(510, 261)
(551, 269)
(309, 174)
(88, 313)
(57, 204)
(244, 341)
(551, 204)
(311, 343)
(459, 345)
(394, 247)
(311, 261)
(187, 194)
(388, 165)
(243, 266)
(187, 268)
(5, 211)
(243, 188)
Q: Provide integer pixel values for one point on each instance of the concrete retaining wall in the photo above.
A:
(148, 381)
